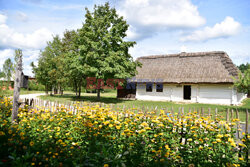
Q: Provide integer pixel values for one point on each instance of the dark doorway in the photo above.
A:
(187, 92)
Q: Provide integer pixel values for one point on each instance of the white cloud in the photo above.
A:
(3, 19)
(30, 55)
(183, 48)
(226, 28)
(22, 16)
(160, 15)
(5, 54)
(35, 40)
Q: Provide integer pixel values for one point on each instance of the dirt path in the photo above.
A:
(30, 96)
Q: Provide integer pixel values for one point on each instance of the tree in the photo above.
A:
(243, 82)
(8, 70)
(50, 70)
(1, 74)
(74, 65)
(102, 46)
(244, 67)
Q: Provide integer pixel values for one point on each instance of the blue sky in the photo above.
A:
(158, 26)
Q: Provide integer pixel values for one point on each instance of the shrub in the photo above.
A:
(33, 85)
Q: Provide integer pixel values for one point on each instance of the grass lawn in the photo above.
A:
(110, 98)
(22, 92)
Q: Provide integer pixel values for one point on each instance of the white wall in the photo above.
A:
(215, 94)
(201, 93)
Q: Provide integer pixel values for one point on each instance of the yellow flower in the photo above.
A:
(219, 136)
(230, 140)
(189, 139)
(241, 158)
(242, 145)
(167, 154)
(131, 144)
(10, 131)
(167, 147)
(2, 133)
(118, 127)
(141, 131)
(233, 144)
(33, 164)
(218, 140)
(32, 143)
(105, 165)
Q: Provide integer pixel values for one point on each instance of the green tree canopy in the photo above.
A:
(103, 47)
(74, 64)
(8, 69)
(244, 67)
(1, 74)
(243, 82)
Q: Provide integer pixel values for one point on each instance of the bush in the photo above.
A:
(97, 136)
(33, 85)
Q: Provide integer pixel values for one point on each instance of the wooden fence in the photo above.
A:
(71, 106)
(181, 111)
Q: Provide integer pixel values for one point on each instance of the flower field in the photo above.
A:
(97, 136)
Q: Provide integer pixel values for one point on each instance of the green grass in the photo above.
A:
(110, 98)
(22, 92)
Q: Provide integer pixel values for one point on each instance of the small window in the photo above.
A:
(159, 87)
(149, 87)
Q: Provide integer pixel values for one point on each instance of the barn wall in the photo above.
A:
(200, 93)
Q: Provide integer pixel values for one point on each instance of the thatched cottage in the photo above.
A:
(202, 77)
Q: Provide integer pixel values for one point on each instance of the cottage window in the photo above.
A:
(149, 87)
(159, 87)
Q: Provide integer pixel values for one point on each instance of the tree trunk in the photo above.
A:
(46, 89)
(80, 88)
(98, 94)
(75, 86)
(16, 94)
(61, 91)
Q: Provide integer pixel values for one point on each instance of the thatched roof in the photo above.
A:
(200, 67)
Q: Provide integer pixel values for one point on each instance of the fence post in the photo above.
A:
(216, 112)
(238, 125)
(246, 130)
(227, 115)
(232, 116)
(202, 111)
(179, 113)
(166, 111)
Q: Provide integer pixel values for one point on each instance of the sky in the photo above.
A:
(157, 26)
